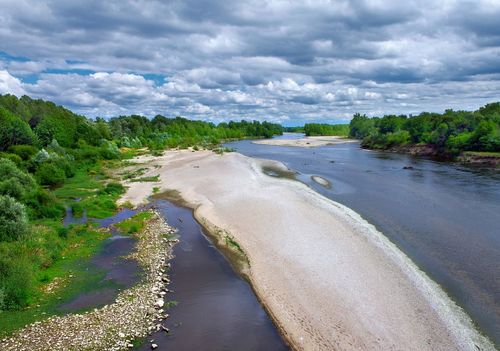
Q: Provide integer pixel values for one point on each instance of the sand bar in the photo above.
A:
(312, 141)
(330, 280)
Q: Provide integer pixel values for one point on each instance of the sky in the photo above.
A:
(291, 62)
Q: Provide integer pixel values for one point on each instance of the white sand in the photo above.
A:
(313, 141)
(330, 280)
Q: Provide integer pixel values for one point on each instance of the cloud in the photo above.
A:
(10, 84)
(283, 60)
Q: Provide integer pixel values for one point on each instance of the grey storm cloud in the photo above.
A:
(286, 61)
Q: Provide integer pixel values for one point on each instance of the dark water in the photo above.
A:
(444, 216)
(217, 310)
(118, 273)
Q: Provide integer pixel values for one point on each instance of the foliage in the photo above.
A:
(315, 129)
(49, 173)
(13, 219)
(25, 152)
(13, 181)
(449, 133)
(13, 130)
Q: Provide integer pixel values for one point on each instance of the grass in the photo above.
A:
(155, 178)
(89, 185)
(72, 271)
(232, 243)
(134, 174)
(60, 255)
(482, 153)
(134, 224)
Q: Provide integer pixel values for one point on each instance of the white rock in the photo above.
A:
(159, 303)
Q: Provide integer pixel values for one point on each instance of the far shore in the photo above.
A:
(312, 141)
(328, 278)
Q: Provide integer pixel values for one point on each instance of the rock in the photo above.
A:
(159, 303)
(121, 335)
(154, 346)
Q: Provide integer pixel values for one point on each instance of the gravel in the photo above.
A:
(136, 313)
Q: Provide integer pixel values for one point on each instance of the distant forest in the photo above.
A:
(448, 134)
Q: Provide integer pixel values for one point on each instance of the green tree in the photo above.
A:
(13, 219)
(13, 130)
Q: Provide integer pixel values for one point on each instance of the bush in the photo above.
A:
(13, 219)
(113, 189)
(13, 181)
(25, 152)
(13, 157)
(66, 165)
(50, 174)
(43, 204)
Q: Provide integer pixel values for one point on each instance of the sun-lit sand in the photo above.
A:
(330, 280)
(313, 141)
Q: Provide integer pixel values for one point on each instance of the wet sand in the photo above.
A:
(312, 141)
(329, 279)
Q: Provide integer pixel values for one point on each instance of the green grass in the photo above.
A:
(88, 185)
(74, 271)
(135, 223)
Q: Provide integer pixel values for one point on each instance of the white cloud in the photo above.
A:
(10, 84)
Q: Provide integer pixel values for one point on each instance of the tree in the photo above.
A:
(13, 181)
(13, 219)
(13, 130)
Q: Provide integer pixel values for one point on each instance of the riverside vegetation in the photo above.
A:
(52, 159)
(447, 135)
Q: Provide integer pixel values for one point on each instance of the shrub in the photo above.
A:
(66, 166)
(13, 219)
(13, 181)
(25, 152)
(50, 174)
(43, 204)
(13, 157)
(113, 189)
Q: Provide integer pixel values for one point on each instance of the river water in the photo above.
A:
(217, 309)
(444, 216)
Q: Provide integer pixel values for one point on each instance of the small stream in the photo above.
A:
(118, 273)
(217, 309)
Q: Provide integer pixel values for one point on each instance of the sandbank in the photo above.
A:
(312, 141)
(329, 279)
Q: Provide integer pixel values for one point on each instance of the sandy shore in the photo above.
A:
(330, 280)
(313, 141)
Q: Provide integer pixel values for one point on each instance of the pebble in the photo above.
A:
(134, 313)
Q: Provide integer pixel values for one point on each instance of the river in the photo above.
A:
(444, 216)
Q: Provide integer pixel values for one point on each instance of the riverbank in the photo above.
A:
(135, 313)
(328, 278)
(489, 159)
(312, 141)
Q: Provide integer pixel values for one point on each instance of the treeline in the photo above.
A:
(162, 132)
(49, 156)
(448, 134)
(317, 129)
